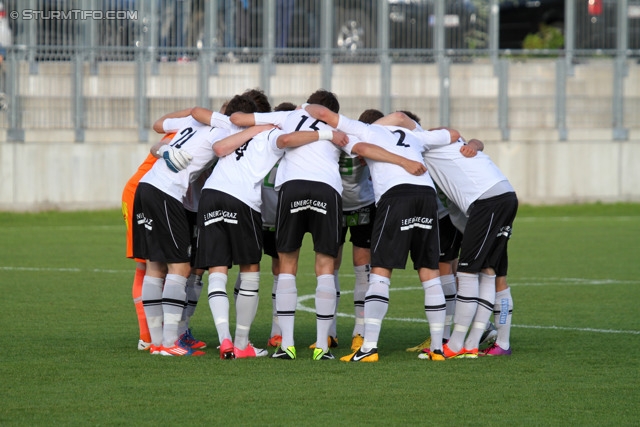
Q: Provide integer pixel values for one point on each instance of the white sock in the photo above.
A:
(435, 309)
(359, 292)
(325, 308)
(502, 311)
(466, 305)
(333, 329)
(286, 302)
(219, 304)
(246, 307)
(376, 304)
(449, 289)
(152, 303)
(486, 301)
(174, 301)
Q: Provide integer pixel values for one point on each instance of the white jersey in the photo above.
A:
(464, 179)
(192, 137)
(317, 161)
(396, 140)
(240, 173)
(357, 188)
(219, 120)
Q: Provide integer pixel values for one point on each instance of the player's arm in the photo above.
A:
(231, 143)
(243, 119)
(298, 138)
(377, 153)
(455, 135)
(158, 125)
(202, 115)
(321, 112)
(211, 118)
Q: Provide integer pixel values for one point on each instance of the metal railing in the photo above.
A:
(89, 64)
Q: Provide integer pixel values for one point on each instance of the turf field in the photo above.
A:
(69, 332)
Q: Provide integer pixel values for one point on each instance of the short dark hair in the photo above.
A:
(411, 116)
(261, 100)
(371, 115)
(326, 98)
(285, 106)
(240, 103)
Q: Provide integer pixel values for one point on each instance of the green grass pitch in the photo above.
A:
(68, 343)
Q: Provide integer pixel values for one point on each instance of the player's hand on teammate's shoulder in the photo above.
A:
(340, 138)
(471, 148)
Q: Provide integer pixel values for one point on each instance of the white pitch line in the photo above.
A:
(304, 298)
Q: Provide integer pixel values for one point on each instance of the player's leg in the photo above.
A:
(246, 309)
(152, 286)
(325, 300)
(287, 300)
(194, 290)
(326, 228)
(174, 301)
(435, 311)
(361, 268)
(275, 337)
(486, 300)
(269, 248)
(145, 338)
(219, 306)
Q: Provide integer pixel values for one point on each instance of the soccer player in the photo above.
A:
(162, 235)
(358, 214)
(269, 206)
(482, 192)
(406, 222)
(128, 194)
(309, 200)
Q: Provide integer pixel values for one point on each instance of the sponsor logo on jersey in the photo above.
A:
(220, 215)
(416, 221)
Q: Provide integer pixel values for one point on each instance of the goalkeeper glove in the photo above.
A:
(175, 158)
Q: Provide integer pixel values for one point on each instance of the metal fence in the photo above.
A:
(89, 64)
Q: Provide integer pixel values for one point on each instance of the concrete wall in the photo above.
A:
(68, 176)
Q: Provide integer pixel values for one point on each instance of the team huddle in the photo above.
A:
(233, 185)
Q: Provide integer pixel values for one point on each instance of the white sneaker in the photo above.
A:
(142, 345)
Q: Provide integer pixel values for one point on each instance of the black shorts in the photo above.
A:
(450, 239)
(308, 206)
(359, 223)
(488, 230)
(230, 231)
(161, 231)
(269, 242)
(406, 222)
